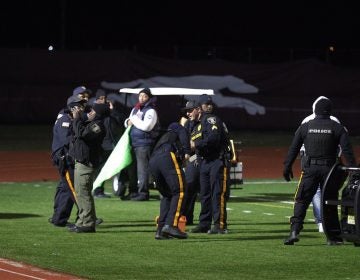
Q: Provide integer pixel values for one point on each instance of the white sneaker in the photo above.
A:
(320, 227)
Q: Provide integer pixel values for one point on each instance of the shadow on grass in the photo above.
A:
(125, 225)
(234, 236)
(263, 197)
(255, 223)
(17, 215)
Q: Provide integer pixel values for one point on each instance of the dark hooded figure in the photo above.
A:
(321, 137)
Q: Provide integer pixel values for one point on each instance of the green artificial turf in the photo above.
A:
(124, 246)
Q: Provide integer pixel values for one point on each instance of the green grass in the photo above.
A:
(124, 246)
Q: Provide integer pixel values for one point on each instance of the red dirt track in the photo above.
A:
(29, 166)
(10, 270)
(258, 162)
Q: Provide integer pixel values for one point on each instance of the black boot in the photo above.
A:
(159, 235)
(175, 232)
(293, 237)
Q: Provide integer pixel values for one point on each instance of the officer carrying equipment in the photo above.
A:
(347, 196)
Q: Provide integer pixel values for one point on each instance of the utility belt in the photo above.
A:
(327, 162)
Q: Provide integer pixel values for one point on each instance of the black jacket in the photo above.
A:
(208, 136)
(86, 144)
(321, 137)
(114, 127)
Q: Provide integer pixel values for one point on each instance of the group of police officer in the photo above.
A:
(206, 169)
(194, 159)
(78, 134)
(322, 136)
(204, 155)
(65, 196)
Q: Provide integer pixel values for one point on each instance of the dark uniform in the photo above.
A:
(114, 129)
(208, 136)
(87, 151)
(166, 167)
(64, 197)
(321, 138)
(192, 178)
(192, 170)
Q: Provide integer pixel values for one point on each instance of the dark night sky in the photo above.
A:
(120, 24)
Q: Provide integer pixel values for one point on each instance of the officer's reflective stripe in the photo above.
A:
(195, 136)
(181, 190)
(222, 199)
(68, 180)
(297, 188)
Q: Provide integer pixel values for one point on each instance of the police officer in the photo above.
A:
(65, 197)
(85, 148)
(192, 169)
(316, 201)
(207, 138)
(207, 106)
(170, 151)
(321, 137)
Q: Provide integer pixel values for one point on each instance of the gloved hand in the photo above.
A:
(288, 174)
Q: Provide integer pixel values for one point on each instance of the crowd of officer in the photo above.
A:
(79, 134)
(189, 160)
(79, 157)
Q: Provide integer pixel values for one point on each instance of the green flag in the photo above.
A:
(117, 161)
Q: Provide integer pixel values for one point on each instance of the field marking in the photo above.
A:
(22, 274)
(287, 202)
(268, 205)
(10, 269)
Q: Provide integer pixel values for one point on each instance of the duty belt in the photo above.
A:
(322, 161)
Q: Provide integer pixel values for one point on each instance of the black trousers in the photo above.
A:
(64, 200)
(213, 190)
(311, 177)
(192, 177)
(170, 181)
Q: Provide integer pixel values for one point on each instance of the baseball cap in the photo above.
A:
(74, 99)
(100, 92)
(205, 99)
(80, 90)
(191, 104)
